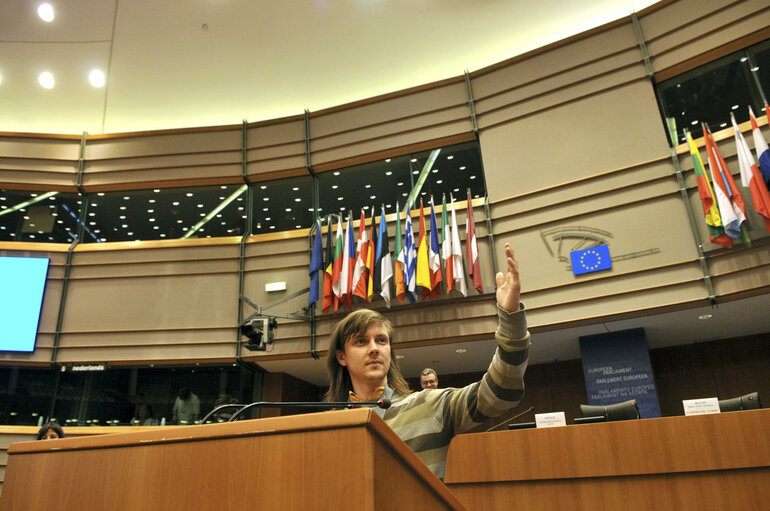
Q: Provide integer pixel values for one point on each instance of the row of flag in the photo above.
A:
(723, 205)
(365, 268)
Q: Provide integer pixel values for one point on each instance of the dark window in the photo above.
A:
(283, 205)
(455, 170)
(44, 217)
(711, 92)
(199, 212)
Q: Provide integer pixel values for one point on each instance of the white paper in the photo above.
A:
(701, 406)
(550, 420)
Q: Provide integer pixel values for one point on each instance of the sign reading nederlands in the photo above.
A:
(617, 368)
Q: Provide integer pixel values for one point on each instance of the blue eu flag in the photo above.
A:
(591, 260)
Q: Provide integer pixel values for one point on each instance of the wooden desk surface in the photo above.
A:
(719, 461)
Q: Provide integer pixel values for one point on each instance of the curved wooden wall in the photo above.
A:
(570, 136)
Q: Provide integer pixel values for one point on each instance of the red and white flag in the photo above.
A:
(472, 248)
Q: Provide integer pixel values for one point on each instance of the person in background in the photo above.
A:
(362, 366)
(50, 431)
(187, 407)
(143, 415)
(428, 379)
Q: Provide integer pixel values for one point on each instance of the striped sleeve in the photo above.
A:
(502, 386)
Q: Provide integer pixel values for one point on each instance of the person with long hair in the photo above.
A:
(362, 366)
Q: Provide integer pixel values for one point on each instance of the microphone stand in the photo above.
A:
(379, 403)
(512, 418)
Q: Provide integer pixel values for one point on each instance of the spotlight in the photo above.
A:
(260, 332)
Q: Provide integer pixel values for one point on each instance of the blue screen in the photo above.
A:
(22, 281)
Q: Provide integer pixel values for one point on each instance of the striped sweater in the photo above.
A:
(428, 420)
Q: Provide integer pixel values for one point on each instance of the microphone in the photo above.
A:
(512, 418)
(382, 402)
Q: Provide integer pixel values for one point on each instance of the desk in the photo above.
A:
(719, 461)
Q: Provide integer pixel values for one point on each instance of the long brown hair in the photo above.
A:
(356, 323)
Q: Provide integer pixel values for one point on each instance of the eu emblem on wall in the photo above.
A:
(591, 259)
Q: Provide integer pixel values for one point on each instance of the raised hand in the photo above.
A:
(509, 285)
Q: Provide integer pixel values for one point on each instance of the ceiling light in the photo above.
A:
(372, 196)
(387, 160)
(735, 107)
(297, 199)
(388, 173)
(705, 316)
(266, 198)
(298, 226)
(288, 210)
(367, 186)
(413, 160)
(462, 168)
(152, 219)
(46, 80)
(175, 203)
(340, 198)
(263, 187)
(189, 194)
(438, 182)
(334, 187)
(265, 209)
(336, 172)
(473, 177)
(45, 11)
(295, 188)
(460, 350)
(156, 190)
(449, 157)
(96, 77)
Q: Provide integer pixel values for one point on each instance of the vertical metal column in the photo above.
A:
(68, 261)
(677, 171)
(316, 214)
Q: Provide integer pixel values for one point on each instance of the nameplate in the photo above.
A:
(700, 406)
(550, 420)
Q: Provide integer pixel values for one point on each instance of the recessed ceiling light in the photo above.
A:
(288, 210)
(340, 198)
(189, 194)
(46, 80)
(336, 172)
(96, 77)
(298, 226)
(400, 357)
(265, 209)
(413, 160)
(265, 199)
(372, 196)
(297, 199)
(263, 187)
(462, 168)
(367, 186)
(387, 160)
(449, 157)
(334, 187)
(295, 188)
(705, 316)
(439, 181)
(175, 203)
(460, 350)
(45, 11)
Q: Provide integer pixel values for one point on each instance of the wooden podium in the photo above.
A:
(704, 462)
(348, 460)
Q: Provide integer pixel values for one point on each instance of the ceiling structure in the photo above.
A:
(175, 64)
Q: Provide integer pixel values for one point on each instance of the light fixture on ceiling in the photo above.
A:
(96, 77)
(45, 11)
(460, 350)
(46, 80)
(705, 316)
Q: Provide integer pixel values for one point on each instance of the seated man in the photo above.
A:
(428, 379)
(362, 367)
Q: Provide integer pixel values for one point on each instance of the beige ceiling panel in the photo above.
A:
(22, 63)
(74, 21)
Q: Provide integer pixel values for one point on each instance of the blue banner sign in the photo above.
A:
(616, 367)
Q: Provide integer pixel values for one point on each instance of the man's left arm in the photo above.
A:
(502, 386)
